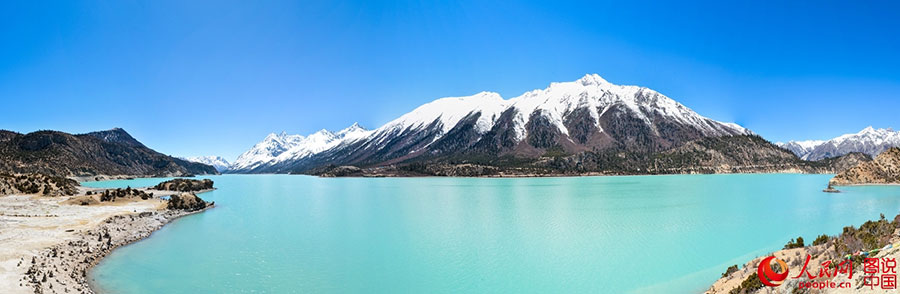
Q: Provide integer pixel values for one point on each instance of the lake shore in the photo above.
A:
(49, 244)
(878, 239)
(473, 171)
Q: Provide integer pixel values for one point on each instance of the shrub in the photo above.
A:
(730, 270)
(794, 244)
(822, 239)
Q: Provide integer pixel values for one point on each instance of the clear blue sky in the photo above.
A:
(213, 78)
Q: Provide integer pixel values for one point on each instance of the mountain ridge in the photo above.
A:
(277, 148)
(587, 122)
(869, 140)
(219, 163)
(110, 152)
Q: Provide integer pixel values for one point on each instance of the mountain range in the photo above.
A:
(218, 162)
(282, 149)
(586, 126)
(870, 141)
(111, 152)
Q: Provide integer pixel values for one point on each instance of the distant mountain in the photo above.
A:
(112, 152)
(217, 162)
(800, 148)
(870, 141)
(884, 169)
(585, 126)
(278, 150)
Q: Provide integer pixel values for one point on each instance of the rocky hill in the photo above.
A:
(884, 169)
(835, 165)
(112, 152)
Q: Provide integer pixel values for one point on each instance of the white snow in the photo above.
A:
(447, 112)
(598, 95)
(869, 140)
(554, 103)
(277, 148)
(215, 161)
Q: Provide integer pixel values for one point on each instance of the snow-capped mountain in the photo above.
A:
(279, 148)
(266, 150)
(217, 162)
(870, 141)
(591, 95)
(588, 114)
(800, 148)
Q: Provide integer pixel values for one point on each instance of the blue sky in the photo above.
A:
(213, 78)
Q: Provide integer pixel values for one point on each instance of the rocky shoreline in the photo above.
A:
(49, 243)
(64, 268)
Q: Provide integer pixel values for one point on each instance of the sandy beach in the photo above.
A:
(47, 244)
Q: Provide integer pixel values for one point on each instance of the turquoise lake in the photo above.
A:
(639, 234)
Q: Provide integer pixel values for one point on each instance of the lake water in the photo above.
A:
(644, 234)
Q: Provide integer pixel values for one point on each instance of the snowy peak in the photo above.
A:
(597, 95)
(591, 92)
(277, 148)
(354, 131)
(869, 140)
(217, 162)
(592, 79)
(448, 111)
(800, 148)
(266, 150)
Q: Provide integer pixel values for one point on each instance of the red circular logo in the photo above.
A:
(768, 276)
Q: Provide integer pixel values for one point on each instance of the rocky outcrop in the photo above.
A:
(884, 169)
(112, 152)
(844, 162)
(37, 184)
(185, 185)
(187, 202)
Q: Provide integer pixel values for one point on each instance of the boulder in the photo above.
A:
(186, 201)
